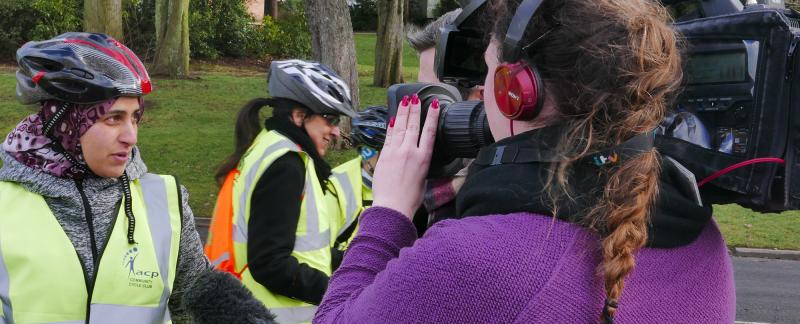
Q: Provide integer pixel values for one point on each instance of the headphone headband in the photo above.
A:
(512, 50)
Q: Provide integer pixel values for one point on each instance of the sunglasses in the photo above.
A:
(332, 120)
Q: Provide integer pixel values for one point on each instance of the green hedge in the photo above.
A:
(224, 28)
(364, 15)
(217, 28)
(25, 20)
(138, 24)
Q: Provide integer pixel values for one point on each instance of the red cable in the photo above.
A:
(736, 166)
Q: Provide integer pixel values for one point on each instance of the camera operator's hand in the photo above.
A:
(403, 164)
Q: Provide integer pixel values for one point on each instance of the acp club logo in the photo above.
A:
(136, 276)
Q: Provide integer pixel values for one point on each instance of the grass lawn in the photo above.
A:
(745, 228)
(188, 129)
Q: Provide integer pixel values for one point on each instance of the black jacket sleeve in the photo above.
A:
(274, 213)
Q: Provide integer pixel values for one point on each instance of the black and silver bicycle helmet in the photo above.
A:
(311, 84)
(82, 68)
(369, 127)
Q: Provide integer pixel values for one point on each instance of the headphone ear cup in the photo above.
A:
(518, 91)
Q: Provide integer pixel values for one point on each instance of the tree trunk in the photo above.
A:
(406, 11)
(332, 44)
(271, 8)
(103, 16)
(172, 38)
(389, 46)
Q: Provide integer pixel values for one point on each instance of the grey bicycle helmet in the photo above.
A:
(81, 68)
(311, 84)
(369, 127)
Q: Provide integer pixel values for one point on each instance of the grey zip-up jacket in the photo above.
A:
(199, 293)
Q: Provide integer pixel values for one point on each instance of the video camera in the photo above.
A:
(736, 125)
(462, 129)
(741, 96)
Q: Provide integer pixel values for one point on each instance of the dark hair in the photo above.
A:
(248, 126)
(611, 67)
(425, 38)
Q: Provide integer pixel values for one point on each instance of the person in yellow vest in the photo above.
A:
(86, 234)
(284, 208)
(352, 180)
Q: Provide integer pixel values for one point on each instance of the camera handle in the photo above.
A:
(713, 8)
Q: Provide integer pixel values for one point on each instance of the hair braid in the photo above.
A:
(627, 197)
(632, 187)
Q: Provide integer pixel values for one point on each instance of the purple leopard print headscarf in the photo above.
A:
(28, 145)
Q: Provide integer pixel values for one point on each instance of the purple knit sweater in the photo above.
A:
(521, 268)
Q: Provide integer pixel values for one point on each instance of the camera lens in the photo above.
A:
(463, 127)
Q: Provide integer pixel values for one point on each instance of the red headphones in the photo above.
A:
(518, 88)
(518, 91)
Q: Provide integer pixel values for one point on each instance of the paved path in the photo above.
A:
(767, 291)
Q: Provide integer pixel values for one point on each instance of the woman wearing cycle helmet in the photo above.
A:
(352, 180)
(86, 234)
(572, 216)
(368, 131)
(284, 210)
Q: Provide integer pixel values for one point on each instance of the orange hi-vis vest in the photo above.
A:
(219, 247)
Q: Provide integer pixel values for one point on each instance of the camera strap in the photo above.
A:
(507, 154)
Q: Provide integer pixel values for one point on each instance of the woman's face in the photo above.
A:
(322, 129)
(107, 145)
(498, 123)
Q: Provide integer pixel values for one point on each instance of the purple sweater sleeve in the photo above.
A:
(382, 233)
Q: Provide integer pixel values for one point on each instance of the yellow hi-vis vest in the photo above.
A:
(353, 193)
(43, 281)
(313, 236)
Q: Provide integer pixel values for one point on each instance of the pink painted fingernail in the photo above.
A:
(414, 99)
(405, 101)
(435, 104)
(391, 122)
